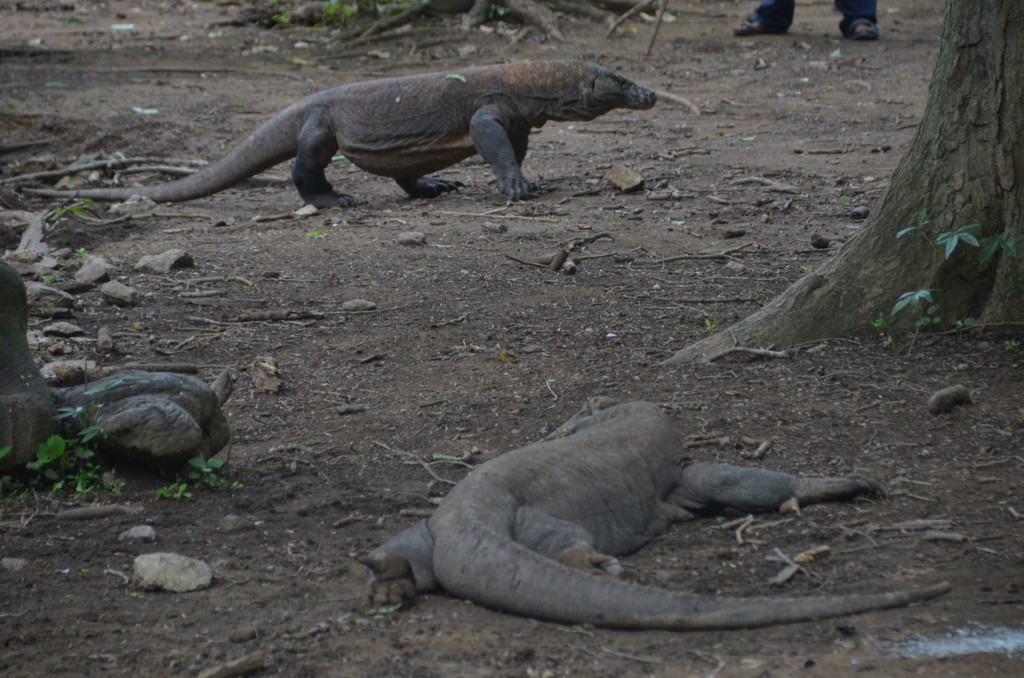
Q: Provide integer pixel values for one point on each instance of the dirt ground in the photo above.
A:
(471, 353)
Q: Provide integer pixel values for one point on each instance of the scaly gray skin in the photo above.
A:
(409, 127)
(519, 531)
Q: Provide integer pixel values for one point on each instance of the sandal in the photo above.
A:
(750, 26)
(862, 29)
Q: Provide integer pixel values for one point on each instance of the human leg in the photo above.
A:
(860, 21)
(772, 16)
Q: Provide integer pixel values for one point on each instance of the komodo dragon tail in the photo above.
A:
(273, 142)
(483, 566)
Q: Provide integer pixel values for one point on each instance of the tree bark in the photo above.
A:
(965, 165)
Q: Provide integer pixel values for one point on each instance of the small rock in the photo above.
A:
(625, 179)
(947, 399)
(492, 227)
(105, 339)
(63, 329)
(358, 305)
(467, 50)
(265, 375)
(243, 634)
(171, 572)
(860, 212)
(13, 564)
(94, 270)
(233, 523)
(735, 266)
(137, 204)
(119, 294)
(67, 372)
(305, 211)
(138, 533)
(165, 262)
(734, 233)
(43, 298)
(412, 238)
(820, 242)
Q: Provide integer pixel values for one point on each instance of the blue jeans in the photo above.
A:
(777, 15)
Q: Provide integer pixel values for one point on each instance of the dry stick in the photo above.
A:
(635, 9)
(760, 352)
(657, 26)
(194, 71)
(526, 263)
(683, 101)
(698, 300)
(724, 254)
(546, 220)
(387, 23)
(366, 39)
(113, 163)
(21, 145)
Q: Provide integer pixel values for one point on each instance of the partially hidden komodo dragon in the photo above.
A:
(407, 128)
(520, 532)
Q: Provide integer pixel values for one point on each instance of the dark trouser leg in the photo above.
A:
(856, 9)
(775, 15)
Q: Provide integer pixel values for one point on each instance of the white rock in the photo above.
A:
(165, 262)
(139, 533)
(171, 572)
(119, 294)
(412, 238)
(13, 564)
(358, 305)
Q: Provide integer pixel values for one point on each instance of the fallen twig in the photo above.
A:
(112, 163)
(724, 254)
(491, 215)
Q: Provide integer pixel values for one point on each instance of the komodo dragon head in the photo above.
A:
(594, 90)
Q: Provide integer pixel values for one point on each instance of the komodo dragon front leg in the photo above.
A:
(503, 145)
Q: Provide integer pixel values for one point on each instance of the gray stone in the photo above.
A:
(138, 533)
(625, 179)
(42, 296)
(735, 266)
(119, 294)
(63, 329)
(63, 372)
(94, 270)
(358, 305)
(13, 564)
(233, 523)
(412, 238)
(171, 572)
(165, 262)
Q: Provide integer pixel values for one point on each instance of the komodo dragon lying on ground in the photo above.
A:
(519, 531)
(408, 127)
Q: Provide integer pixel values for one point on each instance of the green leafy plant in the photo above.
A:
(923, 307)
(949, 240)
(709, 326)
(1012, 345)
(174, 492)
(337, 11)
(883, 325)
(77, 209)
(1002, 242)
(63, 463)
(201, 473)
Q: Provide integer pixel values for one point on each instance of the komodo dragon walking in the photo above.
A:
(518, 533)
(409, 127)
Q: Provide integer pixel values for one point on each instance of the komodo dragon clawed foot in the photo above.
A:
(328, 200)
(392, 581)
(584, 559)
(429, 187)
(612, 480)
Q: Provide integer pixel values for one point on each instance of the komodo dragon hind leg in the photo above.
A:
(315, 147)
(561, 540)
(705, 487)
(429, 187)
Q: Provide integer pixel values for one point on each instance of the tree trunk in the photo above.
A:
(963, 166)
